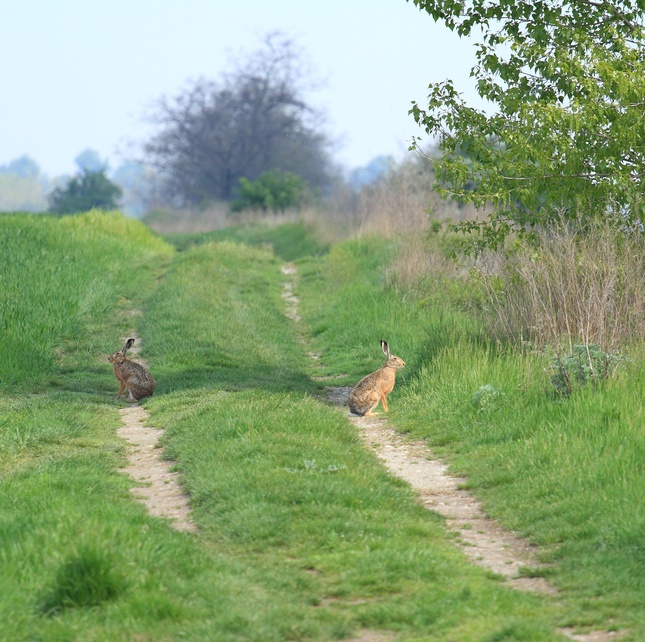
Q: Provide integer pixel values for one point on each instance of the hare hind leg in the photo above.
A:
(138, 392)
(360, 406)
(370, 411)
(135, 391)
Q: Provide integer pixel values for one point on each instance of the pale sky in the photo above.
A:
(79, 74)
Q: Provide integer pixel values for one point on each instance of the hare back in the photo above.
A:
(381, 382)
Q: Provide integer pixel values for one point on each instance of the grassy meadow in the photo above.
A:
(566, 473)
(302, 535)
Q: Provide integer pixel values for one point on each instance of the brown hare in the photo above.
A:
(376, 386)
(132, 376)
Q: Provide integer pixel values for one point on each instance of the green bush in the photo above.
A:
(273, 190)
(586, 363)
(88, 191)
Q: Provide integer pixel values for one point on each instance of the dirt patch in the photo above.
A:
(158, 486)
(366, 635)
(594, 636)
(291, 300)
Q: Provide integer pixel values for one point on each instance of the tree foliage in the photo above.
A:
(254, 120)
(275, 191)
(23, 167)
(566, 133)
(84, 192)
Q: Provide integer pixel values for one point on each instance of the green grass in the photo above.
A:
(279, 479)
(217, 321)
(72, 539)
(61, 277)
(288, 241)
(349, 307)
(302, 534)
(567, 474)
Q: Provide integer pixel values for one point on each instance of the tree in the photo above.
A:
(84, 192)
(372, 172)
(138, 184)
(566, 135)
(22, 186)
(253, 121)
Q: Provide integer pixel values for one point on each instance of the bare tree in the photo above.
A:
(254, 120)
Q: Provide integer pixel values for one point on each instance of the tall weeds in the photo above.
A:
(577, 286)
(401, 200)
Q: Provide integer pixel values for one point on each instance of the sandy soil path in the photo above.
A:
(158, 486)
(483, 540)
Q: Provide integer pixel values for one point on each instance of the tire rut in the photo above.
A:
(483, 540)
(158, 487)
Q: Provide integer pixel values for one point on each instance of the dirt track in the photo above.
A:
(157, 485)
(482, 539)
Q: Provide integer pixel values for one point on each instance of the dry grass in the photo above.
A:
(421, 261)
(404, 204)
(403, 200)
(217, 217)
(574, 288)
(169, 221)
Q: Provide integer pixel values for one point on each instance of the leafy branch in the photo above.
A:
(566, 131)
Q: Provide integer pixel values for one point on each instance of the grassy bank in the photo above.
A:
(566, 473)
(62, 283)
(288, 241)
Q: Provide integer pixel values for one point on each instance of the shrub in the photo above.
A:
(83, 193)
(585, 364)
(484, 399)
(273, 190)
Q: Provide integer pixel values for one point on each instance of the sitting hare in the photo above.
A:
(375, 386)
(132, 376)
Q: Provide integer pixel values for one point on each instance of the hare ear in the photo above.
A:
(385, 348)
(127, 346)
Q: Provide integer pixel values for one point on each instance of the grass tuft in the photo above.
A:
(86, 579)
